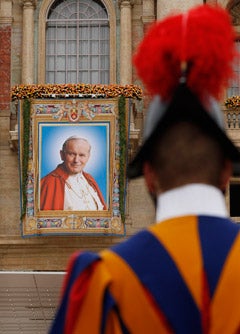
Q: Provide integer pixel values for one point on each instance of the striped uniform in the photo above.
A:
(180, 276)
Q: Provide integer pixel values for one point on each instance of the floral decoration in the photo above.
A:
(20, 92)
(232, 102)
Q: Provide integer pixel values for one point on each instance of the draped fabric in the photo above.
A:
(179, 276)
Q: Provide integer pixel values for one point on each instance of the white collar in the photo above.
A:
(192, 199)
(75, 176)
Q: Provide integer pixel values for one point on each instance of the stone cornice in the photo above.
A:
(6, 17)
(6, 20)
(148, 18)
(28, 3)
(126, 3)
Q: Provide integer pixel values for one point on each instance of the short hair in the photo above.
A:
(186, 154)
(75, 138)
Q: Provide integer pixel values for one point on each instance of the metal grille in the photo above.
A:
(77, 42)
(28, 301)
(234, 89)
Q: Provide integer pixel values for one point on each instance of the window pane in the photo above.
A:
(83, 77)
(94, 47)
(104, 47)
(72, 63)
(94, 77)
(83, 47)
(104, 62)
(61, 32)
(72, 47)
(72, 33)
(60, 77)
(50, 50)
(84, 33)
(51, 31)
(104, 32)
(50, 63)
(50, 78)
(104, 77)
(94, 32)
(94, 62)
(234, 88)
(72, 76)
(61, 63)
(83, 62)
(61, 47)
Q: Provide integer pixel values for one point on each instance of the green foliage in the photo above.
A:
(123, 144)
(25, 154)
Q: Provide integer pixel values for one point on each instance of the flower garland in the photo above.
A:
(20, 92)
(232, 102)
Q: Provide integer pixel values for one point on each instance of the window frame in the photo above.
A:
(235, 180)
(46, 5)
(230, 88)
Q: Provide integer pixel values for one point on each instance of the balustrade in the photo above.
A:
(232, 119)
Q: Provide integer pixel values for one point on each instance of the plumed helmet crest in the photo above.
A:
(197, 45)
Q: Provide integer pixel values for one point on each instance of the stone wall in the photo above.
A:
(5, 63)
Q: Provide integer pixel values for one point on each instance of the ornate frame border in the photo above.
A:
(73, 111)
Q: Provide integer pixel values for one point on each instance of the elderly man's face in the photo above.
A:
(76, 155)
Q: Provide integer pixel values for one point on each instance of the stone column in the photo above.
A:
(28, 42)
(148, 18)
(165, 7)
(126, 41)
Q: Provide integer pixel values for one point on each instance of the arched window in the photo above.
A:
(233, 7)
(234, 89)
(77, 42)
(64, 21)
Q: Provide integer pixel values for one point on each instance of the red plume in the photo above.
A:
(202, 38)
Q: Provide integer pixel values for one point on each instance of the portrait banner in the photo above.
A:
(72, 155)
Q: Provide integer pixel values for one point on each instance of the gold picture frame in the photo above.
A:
(49, 123)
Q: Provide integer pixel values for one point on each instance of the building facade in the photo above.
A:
(39, 45)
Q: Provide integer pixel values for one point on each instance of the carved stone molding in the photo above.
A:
(148, 19)
(28, 3)
(126, 3)
(6, 17)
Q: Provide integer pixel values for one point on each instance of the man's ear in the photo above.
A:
(62, 155)
(226, 174)
(150, 178)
